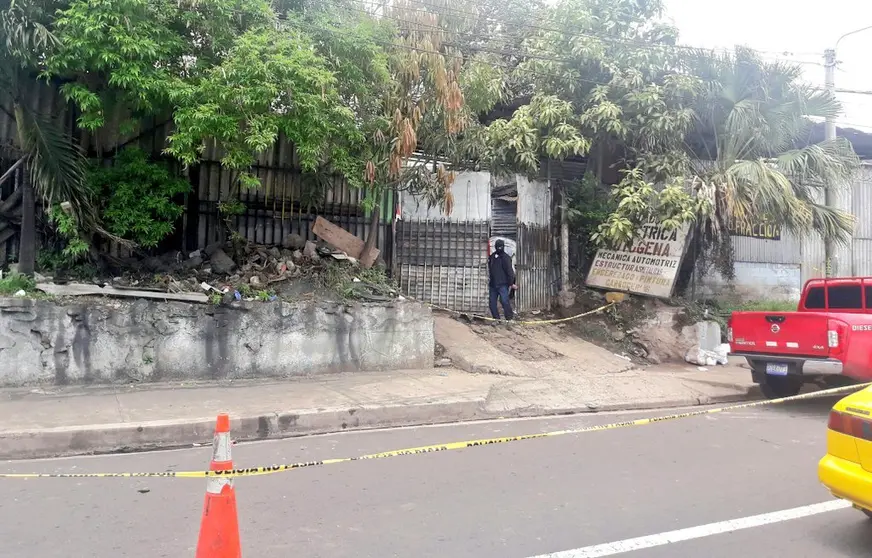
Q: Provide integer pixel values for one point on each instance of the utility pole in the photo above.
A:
(830, 85)
(831, 259)
(829, 135)
(566, 297)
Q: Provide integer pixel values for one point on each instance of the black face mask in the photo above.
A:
(500, 249)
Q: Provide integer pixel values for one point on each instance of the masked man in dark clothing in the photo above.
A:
(502, 279)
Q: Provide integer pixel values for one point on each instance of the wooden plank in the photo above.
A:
(368, 260)
(81, 289)
(340, 239)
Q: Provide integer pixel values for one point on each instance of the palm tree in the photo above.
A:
(754, 160)
(56, 166)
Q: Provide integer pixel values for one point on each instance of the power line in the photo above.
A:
(855, 91)
(550, 75)
(849, 124)
(847, 91)
(506, 38)
(530, 56)
(436, 10)
(480, 49)
(643, 44)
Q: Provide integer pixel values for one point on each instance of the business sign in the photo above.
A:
(761, 230)
(648, 265)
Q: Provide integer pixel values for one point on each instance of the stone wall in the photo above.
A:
(106, 341)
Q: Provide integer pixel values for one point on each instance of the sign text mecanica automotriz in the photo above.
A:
(647, 265)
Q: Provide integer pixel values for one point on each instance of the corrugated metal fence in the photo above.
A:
(444, 263)
(533, 268)
(861, 253)
(808, 252)
(285, 203)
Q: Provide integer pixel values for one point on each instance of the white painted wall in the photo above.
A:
(755, 281)
(472, 200)
(534, 201)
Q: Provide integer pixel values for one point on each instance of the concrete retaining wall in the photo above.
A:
(105, 341)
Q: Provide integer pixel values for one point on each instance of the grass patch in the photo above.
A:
(727, 308)
(14, 282)
(762, 306)
(354, 282)
(720, 311)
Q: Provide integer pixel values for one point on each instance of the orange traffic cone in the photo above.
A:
(219, 529)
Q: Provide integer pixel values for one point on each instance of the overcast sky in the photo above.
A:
(791, 30)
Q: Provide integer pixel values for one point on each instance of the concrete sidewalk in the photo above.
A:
(83, 420)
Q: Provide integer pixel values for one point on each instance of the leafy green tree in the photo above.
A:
(126, 57)
(228, 73)
(373, 95)
(55, 164)
(271, 82)
(136, 200)
(137, 197)
(701, 137)
(545, 128)
(754, 160)
(616, 68)
(407, 99)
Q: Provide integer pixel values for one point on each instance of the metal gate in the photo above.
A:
(443, 263)
(533, 268)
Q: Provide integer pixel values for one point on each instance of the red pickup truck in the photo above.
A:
(831, 329)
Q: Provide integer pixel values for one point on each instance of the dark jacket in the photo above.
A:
(499, 266)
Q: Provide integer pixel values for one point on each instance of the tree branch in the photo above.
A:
(9, 114)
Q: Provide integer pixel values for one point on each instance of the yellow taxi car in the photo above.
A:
(846, 470)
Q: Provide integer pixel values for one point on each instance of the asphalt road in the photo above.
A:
(568, 495)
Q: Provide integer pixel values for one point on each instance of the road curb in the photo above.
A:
(171, 434)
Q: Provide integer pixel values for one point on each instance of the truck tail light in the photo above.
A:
(850, 425)
(837, 333)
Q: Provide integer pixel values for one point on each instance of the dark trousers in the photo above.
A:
(501, 293)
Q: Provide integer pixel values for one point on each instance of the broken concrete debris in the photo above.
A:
(213, 247)
(310, 250)
(703, 357)
(293, 242)
(708, 351)
(221, 263)
(229, 271)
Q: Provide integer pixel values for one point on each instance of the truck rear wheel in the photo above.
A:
(776, 387)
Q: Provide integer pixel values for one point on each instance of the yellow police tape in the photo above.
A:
(257, 471)
(522, 322)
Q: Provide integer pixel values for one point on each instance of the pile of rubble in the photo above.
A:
(251, 264)
(224, 272)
